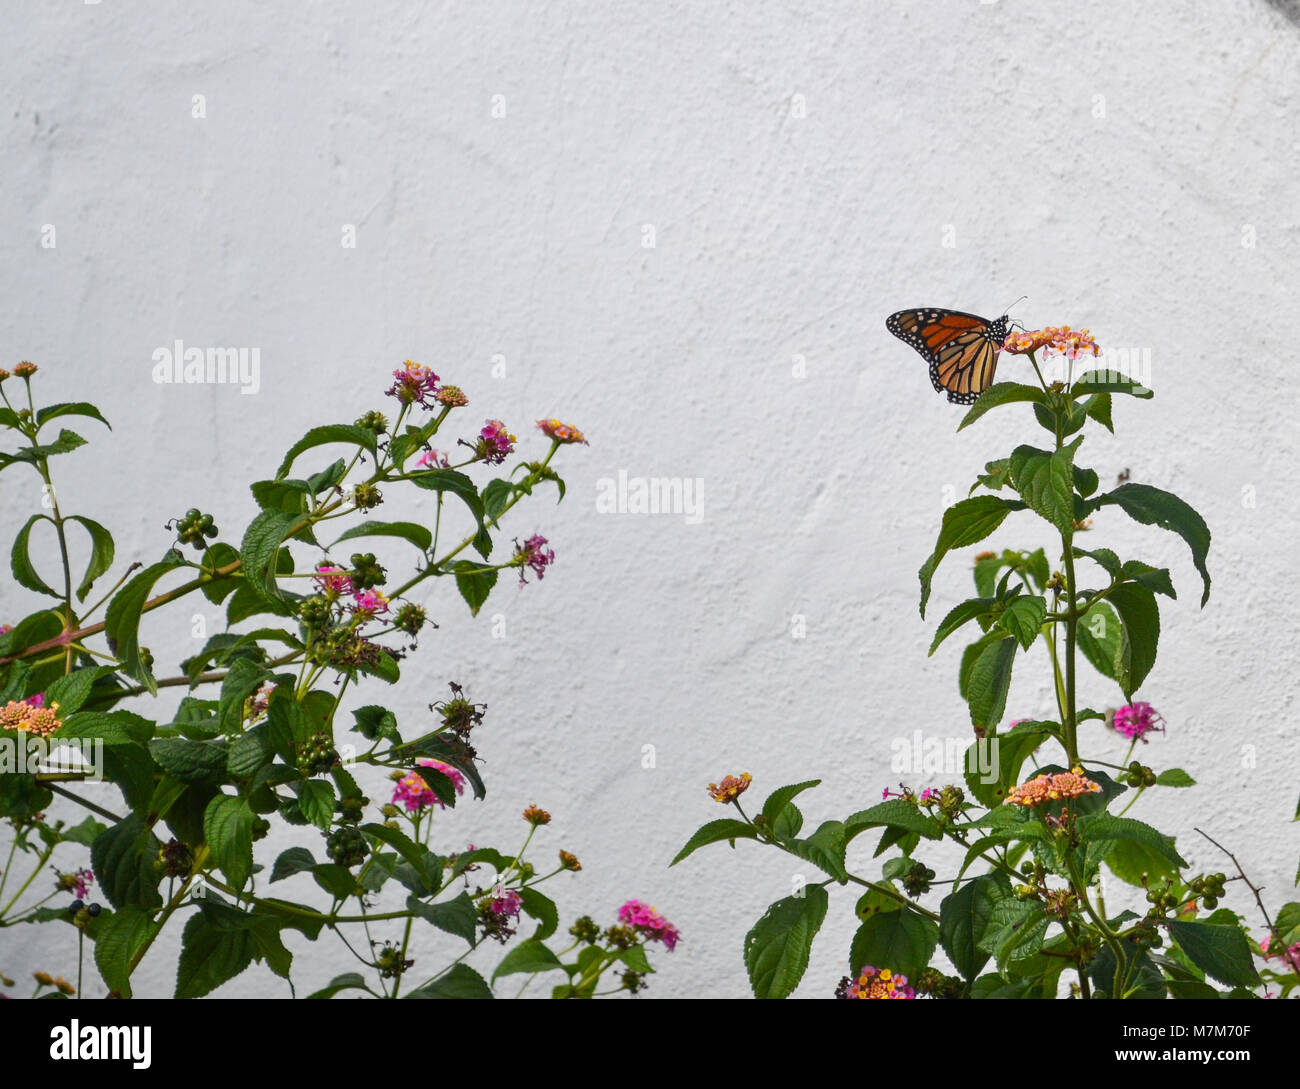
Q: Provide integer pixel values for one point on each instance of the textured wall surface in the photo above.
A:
(803, 170)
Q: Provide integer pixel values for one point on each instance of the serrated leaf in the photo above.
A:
(964, 523)
(1001, 393)
(20, 562)
(902, 941)
(1023, 618)
(778, 947)
(1151, 506)
(716, 832)
(350, 434)
(461, 981)
(1221, 952)
(228, 828)
(101, 553)
(407, 531)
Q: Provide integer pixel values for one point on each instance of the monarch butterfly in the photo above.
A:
(962, 349)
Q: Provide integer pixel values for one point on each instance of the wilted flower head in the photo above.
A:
(414, 383)
(79, 881)
(731, 788)
(1136, 720)
(370, 602)
(535, 815)
(431, 459)
(570, 861)
(875, 983)
(649, 922)
(1055, 340)
(414, 793)
(332, 579)
(534, 554)
(260, 700)
(29, 716)
(1053, 788)
(452, 397)
(495, 443)
(560, 432)
(25, 369)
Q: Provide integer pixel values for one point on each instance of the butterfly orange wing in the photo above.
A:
(962, 349)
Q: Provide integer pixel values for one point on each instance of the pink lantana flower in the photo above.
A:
(414, 793)
(1137, 720)
(649, 922)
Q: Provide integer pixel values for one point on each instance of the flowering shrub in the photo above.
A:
(1023, 914)
(263, 735)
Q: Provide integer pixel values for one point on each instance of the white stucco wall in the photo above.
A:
(1131, 168)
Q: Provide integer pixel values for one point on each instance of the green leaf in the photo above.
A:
(968, 610)
(1174, 777)
(69, 408)
(228, 828)
(292, 861)
(988, 682)
(902, 941)
(72, 690)
(424, 862)
(1023, 618)
(964, 920)
(408, 531)
(964, 523)
(101, 553)
(1104, 826)
(1108, 382)
(1101, 638)
(529, 956)
(1138, 610)
(458, 484)
(782, 796)
(1098, 407)
(894, 813)
(778, 947)
(330, 433)
(190, 761)
(1221, 952)
(117, 942)
(210, 956)
(537, 905)
(1012, 749)
(1151, 506)
(1045, 480)
(122, 858)
(1137, 864)
(715, 832)
(316, 800)
(495, 497)
(474, 582)
(335, 879)
(1001, 393)
(242, 679)
(122, 620)
(461, 981)
(825, 849)
(21, 564)
(1153, 578)
(260, 549)
(349, 981)
(84, 832)
(458, 916)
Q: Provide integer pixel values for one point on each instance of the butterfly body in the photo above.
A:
(962, 349)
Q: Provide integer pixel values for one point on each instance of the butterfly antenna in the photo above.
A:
(1019, 300)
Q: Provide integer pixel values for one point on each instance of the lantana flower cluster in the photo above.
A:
(875, 983)
(1060, 786)
(1054, 340)
(649, 923)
